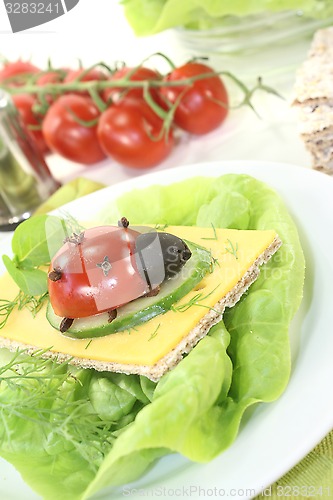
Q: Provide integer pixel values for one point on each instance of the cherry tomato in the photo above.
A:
(139, 74)
(14, 69)
(108, 266)
(129, 131)
(204, 105)
(98, 274)
(92, 75)
(66, 136)
(24, 104)
(51, 77)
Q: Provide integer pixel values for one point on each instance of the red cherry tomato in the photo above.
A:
(66, 136)
(204, 105)
(17, 68)
(97, 275)
(129, 131)
(92, 75)
(51, 77)
(24, 104)
(139, 74)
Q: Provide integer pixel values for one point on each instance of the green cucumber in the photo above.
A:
(143, 309)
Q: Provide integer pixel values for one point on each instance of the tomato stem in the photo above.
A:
(94, 88)
(150, 101)
(84, 123)
(101, 105)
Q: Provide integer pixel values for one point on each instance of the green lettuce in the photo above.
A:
(151, 16)
(84, 430)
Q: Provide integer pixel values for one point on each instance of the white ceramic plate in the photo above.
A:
(277, 435)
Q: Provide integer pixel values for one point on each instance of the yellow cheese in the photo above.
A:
(235, 251)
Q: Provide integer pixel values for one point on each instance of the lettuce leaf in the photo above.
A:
(151, 16)
(207, 406)
(116, 426)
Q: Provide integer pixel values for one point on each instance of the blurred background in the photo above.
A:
(269, 45)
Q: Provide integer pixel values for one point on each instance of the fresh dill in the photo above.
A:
(36, 391)
(213, 263)
(153, 335)
(72, 225)
(90, 341)
(232, 249)
(194, 301)
(129, 330)
(215, 238)
(21, 301)
(161, 227)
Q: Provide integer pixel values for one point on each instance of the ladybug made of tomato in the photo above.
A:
(105, 267)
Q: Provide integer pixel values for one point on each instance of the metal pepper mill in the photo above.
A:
(25, 179)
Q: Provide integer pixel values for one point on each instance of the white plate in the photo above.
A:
(277, 435)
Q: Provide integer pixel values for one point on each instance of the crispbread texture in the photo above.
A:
(313, 98)
(169, 361)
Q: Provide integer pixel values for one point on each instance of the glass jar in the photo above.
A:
(25, 179)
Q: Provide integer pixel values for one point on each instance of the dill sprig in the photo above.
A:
(6, 308)
(71, 223)
(155, 332)
(90, 341)
(194, 301)
(215, 238)
(213, 263)
(232, 249)
(31, 302)
(41, 392)
(161, 227)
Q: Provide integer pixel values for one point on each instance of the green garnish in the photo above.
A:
(21, 301)
(70, 223)
(34, 243)
(36, 391)
(215, 234)
(213, 263)
(194, 301)
(153, 335)
(90, 341)
(232, 249)
(161, 227)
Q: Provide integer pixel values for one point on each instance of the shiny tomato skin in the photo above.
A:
(140, 74)
(126, 131)
(50, 77)
(84, 289)
(92, 75)
(198, 111)
(24, 103)
(16, 68)
(65, 136)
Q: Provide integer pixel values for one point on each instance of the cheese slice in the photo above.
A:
(154, 347)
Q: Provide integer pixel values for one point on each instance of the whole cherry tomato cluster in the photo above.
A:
(85, 115)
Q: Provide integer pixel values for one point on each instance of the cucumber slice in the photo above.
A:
(140, 310)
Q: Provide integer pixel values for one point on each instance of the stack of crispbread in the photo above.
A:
(314, 100)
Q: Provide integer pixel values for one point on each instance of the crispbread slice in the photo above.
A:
(164, 339)
(315, 118)
(313, 99)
